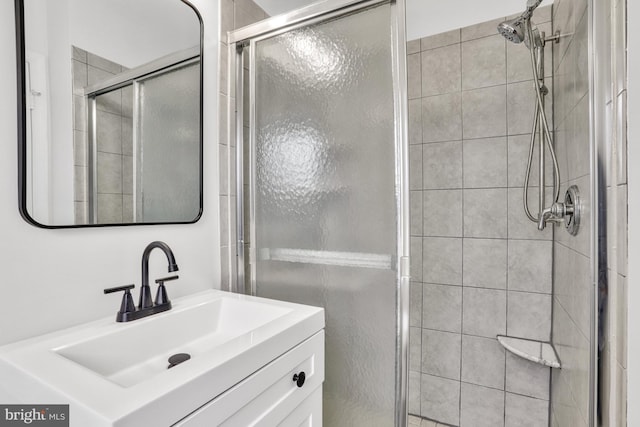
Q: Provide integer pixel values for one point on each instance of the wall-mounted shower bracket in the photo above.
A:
(544, 89)
(567, 212)
(554, 38)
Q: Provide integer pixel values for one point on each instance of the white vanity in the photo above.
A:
(253, 361)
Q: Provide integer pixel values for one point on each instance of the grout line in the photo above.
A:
(485, 386)
(479, 137)
(462, 241)
(484, 238)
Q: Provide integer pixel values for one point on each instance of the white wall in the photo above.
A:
(57, 54)
(54, 278)
(132, 33)
(633, 111)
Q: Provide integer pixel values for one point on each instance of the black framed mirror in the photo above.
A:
(109, 112)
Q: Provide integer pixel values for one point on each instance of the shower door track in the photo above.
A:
(160, 64)
(308, 15)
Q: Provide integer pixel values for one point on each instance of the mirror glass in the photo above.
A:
(111, 101)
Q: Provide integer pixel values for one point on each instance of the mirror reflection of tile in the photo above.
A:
(114, 141)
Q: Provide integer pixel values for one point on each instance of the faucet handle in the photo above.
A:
(127, 306)
(166, 279)
(119, 288)
(161, 294)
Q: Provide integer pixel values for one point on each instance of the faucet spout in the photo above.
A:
(544, 217)
(556, 213)
(145, 292)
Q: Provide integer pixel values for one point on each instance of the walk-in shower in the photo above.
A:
(310, 109)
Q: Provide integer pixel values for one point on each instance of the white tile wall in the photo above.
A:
(441, 307)
(441, 354)
(481, 406)
(483, 362)
(484, 312)
(522, 411)
(527, 378)
(485, 163)
(485, 263)
(479, 256)
(440, 399)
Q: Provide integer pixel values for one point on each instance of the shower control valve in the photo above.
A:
(567, 212)
(559, 211)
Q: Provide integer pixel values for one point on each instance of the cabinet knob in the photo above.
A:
(299, 378)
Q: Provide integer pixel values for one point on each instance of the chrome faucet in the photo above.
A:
(146, 306)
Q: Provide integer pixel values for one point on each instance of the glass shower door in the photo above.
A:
(144, 141)
(167, 143)
(326, 197)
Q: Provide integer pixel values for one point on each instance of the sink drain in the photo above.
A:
(177, 359)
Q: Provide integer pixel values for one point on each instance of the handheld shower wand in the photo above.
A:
(522, 30)
(531, 6)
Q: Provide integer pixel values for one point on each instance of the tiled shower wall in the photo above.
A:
(479, 267)
(114, 132)
(233, 14)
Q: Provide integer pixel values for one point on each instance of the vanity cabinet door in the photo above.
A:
(271, 396)
(308, 413)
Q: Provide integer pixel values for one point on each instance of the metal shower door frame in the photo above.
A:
(133, 78)
(247, 36)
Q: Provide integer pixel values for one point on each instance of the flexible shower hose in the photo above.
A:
(539, 114)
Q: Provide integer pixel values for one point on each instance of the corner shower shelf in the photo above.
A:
(539, 352)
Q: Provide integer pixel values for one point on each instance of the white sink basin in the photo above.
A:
(115, 374)
(134, 354)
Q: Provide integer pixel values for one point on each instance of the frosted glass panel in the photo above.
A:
(325, 199)
(168, 147)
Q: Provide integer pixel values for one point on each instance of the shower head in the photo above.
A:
(514, 31)
(517, 31)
